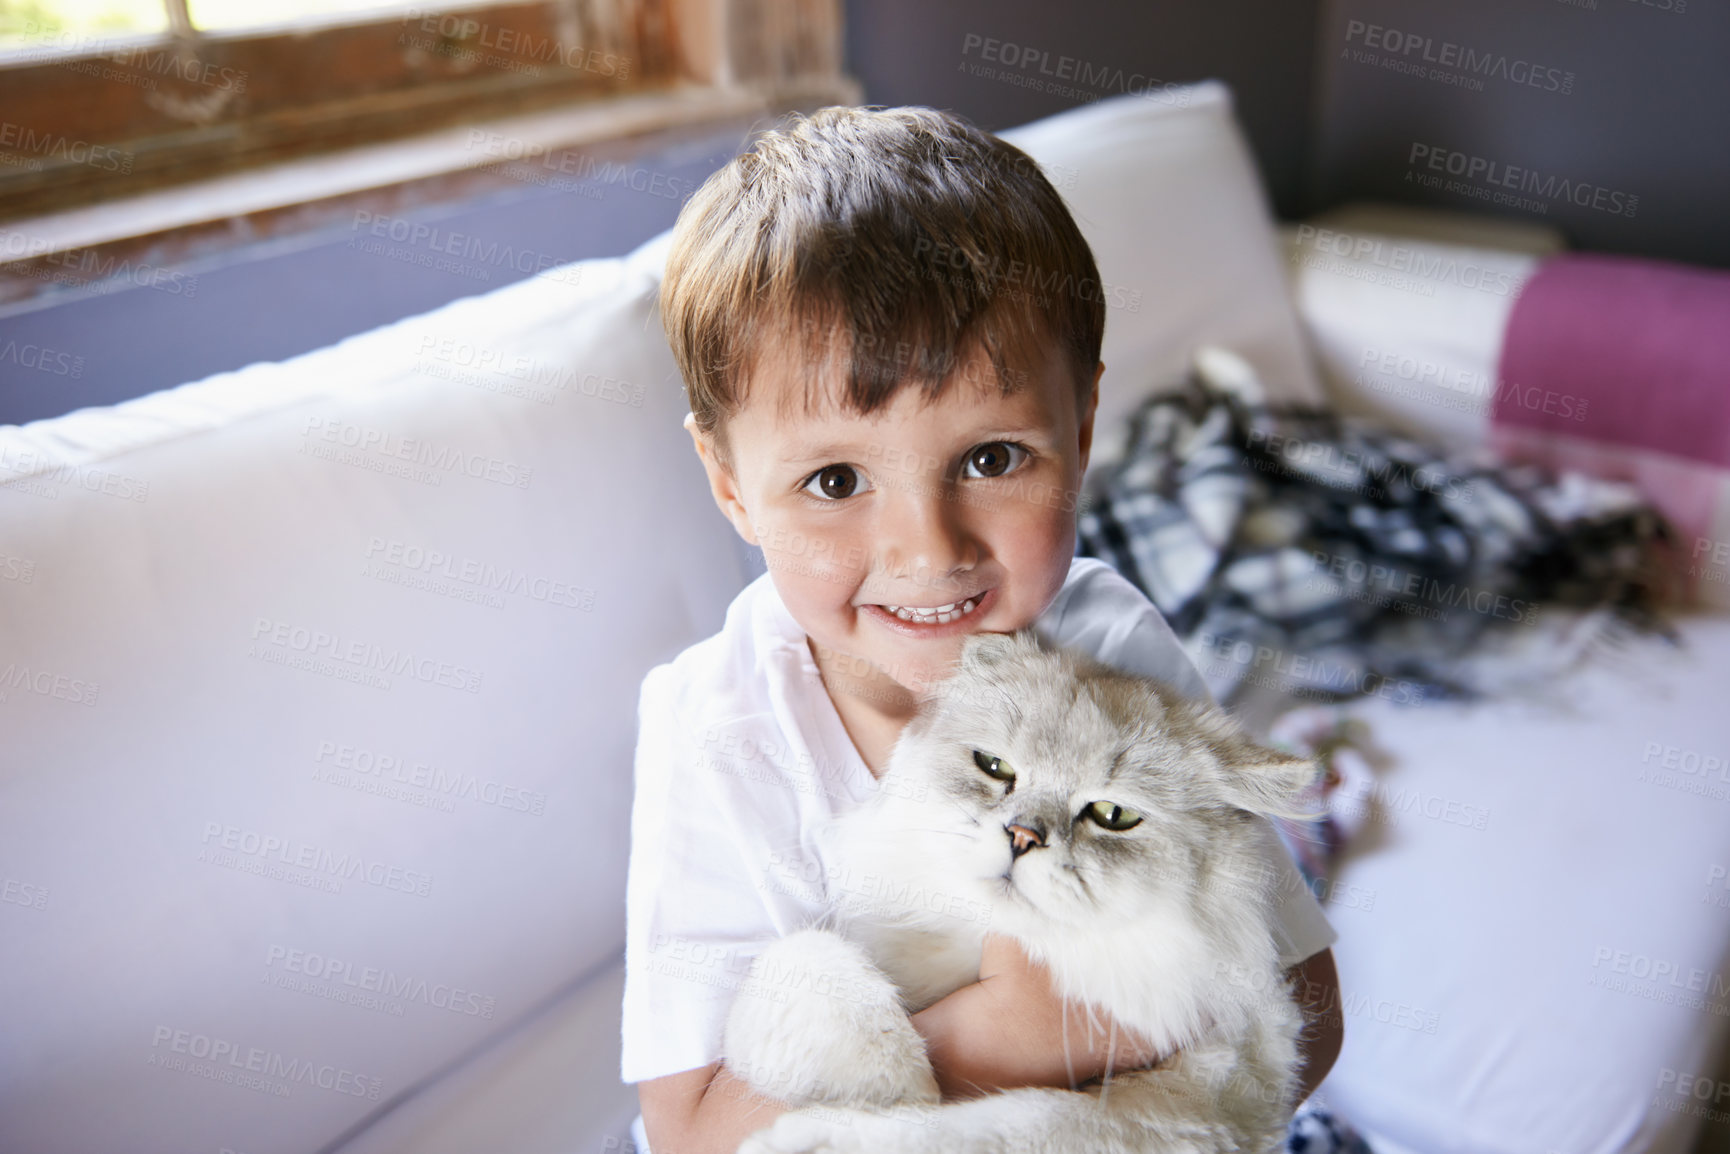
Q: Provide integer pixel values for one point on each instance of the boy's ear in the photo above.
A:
(1087, 412)
(721, 482)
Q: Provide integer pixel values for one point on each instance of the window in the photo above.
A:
(100, 98)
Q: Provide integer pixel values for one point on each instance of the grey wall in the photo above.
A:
(920, 52)
(1644, 123)
(1632, 100)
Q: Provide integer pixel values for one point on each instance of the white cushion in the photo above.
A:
(1406, 310)
(1165, 190)
(1522, 873)
(169, 561)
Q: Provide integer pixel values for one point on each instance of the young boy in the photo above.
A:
(889, 327)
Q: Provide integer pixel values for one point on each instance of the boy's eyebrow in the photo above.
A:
(807, 452)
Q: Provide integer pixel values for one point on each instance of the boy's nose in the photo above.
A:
(927, 538)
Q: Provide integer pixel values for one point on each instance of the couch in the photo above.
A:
(317, 702)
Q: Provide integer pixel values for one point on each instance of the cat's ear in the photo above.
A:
(1269, 782)
(982, 651)
(1256, 778)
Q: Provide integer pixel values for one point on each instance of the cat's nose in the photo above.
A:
(1024, 835)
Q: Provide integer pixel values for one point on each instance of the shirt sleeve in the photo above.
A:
(1103, 614)
(694, 916)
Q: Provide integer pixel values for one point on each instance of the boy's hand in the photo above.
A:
(1043, 1018)
(1009, 1028)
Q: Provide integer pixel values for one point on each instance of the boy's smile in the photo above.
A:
(891, 536)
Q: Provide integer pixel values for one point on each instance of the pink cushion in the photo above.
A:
(1620, 368)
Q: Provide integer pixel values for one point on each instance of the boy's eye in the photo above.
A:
(1110, 815)
(834, 482)
(995, 459)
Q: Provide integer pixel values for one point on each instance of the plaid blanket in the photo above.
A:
(1328, 558)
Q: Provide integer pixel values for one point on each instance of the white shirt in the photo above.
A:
(741, 756)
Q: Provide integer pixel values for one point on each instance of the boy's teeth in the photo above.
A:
(936, 615)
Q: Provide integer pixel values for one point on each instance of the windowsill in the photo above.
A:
(169, 226)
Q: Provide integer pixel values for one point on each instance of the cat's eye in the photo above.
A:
(835, 483)
(994, 767)
(1112, 816)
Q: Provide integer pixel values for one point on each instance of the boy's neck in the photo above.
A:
(873, 708)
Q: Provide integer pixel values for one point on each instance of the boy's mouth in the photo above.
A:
(925, 620)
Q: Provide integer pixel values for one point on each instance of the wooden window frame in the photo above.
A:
(132, 116)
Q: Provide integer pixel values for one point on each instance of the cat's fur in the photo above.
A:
(1165, 925)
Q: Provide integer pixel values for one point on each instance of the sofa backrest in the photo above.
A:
(317, 684)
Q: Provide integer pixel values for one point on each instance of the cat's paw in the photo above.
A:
(792, 1134)
(817, 1022)
(813, 1131)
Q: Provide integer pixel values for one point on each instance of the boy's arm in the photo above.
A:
(1007, 1029)
(1317, 985)
(702, 1111)
(1003, 1031)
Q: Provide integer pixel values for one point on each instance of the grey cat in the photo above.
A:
(1109, 827)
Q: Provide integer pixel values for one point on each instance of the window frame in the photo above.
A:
(131, 115)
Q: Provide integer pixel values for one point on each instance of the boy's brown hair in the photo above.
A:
(899, 238)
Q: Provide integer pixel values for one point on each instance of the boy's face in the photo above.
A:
(963, 509)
